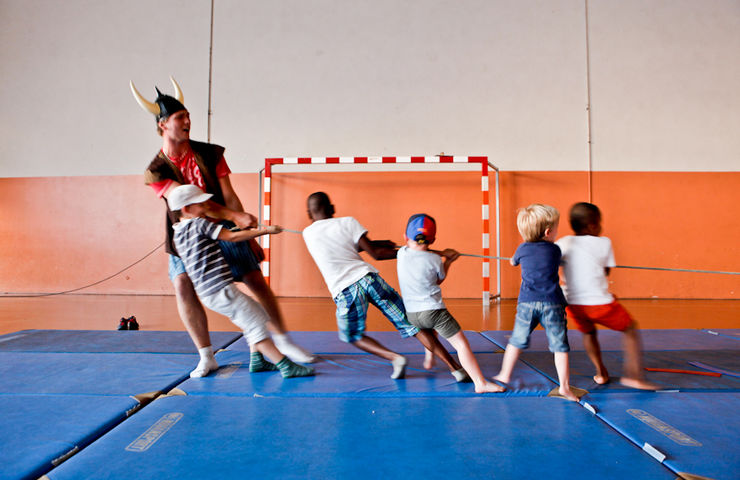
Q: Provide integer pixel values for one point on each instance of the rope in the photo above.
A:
(663, 269)
(678, 270)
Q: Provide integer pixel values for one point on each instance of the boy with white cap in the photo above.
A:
(196, 241)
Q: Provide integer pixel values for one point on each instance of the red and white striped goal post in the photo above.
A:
(437, 159)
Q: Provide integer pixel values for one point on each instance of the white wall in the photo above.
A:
(336, 77)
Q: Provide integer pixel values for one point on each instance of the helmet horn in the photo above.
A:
(178, 91)
(150, 107)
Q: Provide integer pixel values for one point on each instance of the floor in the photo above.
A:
(102, 312)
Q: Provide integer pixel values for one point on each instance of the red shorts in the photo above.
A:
(612, 315)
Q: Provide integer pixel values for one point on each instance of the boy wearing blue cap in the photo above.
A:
(420, 272)
(335, 243)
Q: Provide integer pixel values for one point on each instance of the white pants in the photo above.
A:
(243, 311)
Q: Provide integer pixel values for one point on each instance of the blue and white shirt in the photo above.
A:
(195, 240)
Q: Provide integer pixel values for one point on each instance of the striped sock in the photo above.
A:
(258, 363)
(290, 369)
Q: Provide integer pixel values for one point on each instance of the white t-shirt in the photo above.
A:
(584, 259)
(418, 273)
(333, 244)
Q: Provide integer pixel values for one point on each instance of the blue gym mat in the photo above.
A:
(92, 373)
(40, 430)
(652, 340)
(200, 437)
(697, 432)
(725, 332)
(328, 342)
(582, 370)
(99, 341)
(357, 376)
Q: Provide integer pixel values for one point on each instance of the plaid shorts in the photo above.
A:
(352, 308)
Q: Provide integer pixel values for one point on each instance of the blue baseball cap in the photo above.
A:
(421, 228)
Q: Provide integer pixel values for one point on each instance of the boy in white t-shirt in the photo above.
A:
(334, 244)
(420, 272)
(586, 260)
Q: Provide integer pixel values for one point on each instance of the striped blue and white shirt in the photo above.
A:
(195, 240)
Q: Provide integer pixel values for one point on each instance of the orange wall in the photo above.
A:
(60, 233)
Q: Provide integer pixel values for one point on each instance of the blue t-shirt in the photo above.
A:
(540, 281)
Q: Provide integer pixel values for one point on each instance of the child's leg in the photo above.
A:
(288, 369)
(563, 368)
(429, 322)
(633, 372)
(371, 345)
(584, 317)
(398, 361)
(428, 359)
(470, 364)
(351, 315)
(556, 328)
(526, 320)
(259, 287)
(511, 355)
(432, 343)
(593, 350)
(250, 317)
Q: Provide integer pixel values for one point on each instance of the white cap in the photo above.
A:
(186, 195)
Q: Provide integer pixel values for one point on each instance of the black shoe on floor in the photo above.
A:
(123, 324)
(132, 323)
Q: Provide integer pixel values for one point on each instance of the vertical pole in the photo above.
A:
(588, 109)
(266, 219)
(498, 237)
(486, 266)
(210, 74)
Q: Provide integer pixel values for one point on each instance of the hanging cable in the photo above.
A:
(12, 295)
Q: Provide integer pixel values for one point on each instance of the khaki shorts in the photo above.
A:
(439, 320)
(242, 310)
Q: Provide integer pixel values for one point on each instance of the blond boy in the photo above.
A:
(541, 301)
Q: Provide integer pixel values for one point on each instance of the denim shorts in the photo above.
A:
(552, 318)
(175, 267)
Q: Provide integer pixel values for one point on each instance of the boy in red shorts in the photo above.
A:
(586, 260)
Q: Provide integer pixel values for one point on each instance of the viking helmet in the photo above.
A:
(164, 105)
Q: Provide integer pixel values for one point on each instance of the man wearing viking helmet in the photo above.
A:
(184, 161)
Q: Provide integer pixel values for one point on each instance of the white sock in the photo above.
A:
(207, 363)
(291, 350)
(460, 375)
(399, 368)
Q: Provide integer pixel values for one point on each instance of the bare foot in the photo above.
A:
(489, 387)
(639, 384)
(500, 378)
(601, 379)
(568, 394)
(428, 359)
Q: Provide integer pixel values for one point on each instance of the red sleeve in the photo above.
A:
(222, 170)
(161, 187)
